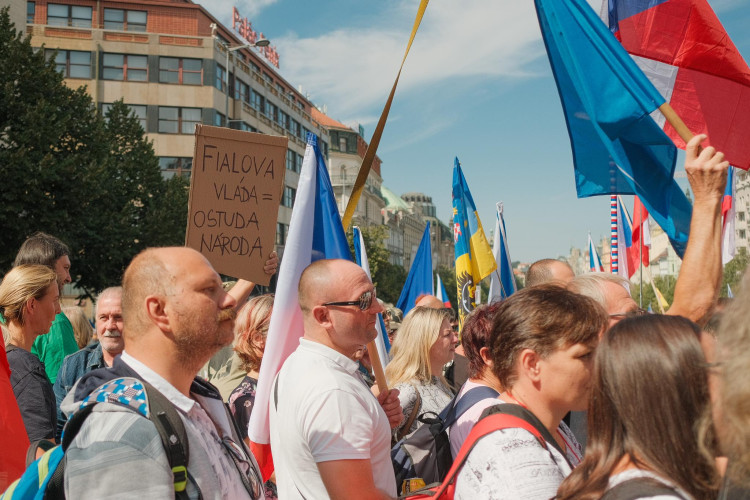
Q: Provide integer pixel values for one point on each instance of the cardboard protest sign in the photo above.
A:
(235, 191)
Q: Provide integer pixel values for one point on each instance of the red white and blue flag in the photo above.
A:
(727, 214)
(441, 293)
(624, 239)
(595, 263)
(686, 53)
(638, 250)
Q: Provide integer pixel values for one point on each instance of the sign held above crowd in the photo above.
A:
(235, 193)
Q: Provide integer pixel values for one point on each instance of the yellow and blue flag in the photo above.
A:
(474, 258)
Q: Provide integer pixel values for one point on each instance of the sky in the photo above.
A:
(476, 85)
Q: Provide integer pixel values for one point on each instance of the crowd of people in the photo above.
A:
(627, 404)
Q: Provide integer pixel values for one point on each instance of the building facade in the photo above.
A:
(441, 236)
(176, 66)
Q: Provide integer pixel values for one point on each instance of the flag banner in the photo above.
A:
(617, 147)
(595, 263)
(614, 228)
(686, 53)
(730, 294)
(440, 292)
(315, 232)
(502, 281)
(624, 239)
(728, 249)
(638, 251)
(419, 279)
(381, 341)
(474, 259)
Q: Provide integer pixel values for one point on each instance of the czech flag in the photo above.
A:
(727, 213)
(595, 263)
(441, 294)
(686, 53)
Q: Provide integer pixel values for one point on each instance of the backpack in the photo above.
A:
(490, 422)
(639, 487)
(45, 478)
(426, 452)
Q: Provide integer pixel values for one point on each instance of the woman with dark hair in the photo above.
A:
(541, 349)
(649, 391)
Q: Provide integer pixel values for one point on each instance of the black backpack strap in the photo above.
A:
(639, 487)
(524, 414)
(458, 407)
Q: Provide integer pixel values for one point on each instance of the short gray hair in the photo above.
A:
(106, 293)
(592, 285)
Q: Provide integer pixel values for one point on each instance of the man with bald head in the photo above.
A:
(549, 270)
(430, 301)
(330, 436)
(176, 315)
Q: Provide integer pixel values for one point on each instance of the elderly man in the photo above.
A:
(176, 316)
(108, 317)
(329, 435)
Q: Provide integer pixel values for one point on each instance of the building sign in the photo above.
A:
(242, 26)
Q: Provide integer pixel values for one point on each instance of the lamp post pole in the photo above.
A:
(260, 43)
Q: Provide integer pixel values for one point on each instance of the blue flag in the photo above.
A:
(607, 100)
(382, 342)
(329, 238)
(419, 280)
(502, 281)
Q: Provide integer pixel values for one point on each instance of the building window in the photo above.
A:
(180, 70)
(127, 20)
(139, 110)
(219, 120)
(239, 125)
(256, 100)
(268, 78)
(171, 166)
(72, 63)
(342, 144)
(30, 12)
(740, 216)
(280, 88)
(742, 234)
(221, 78)
(290, 159)
(68, 15)
(299, 163)
(295, 128)
(289, 194)
(270, 110)
(178, 120)
(253, 66)
(130, 67)
(241, 90)
(282, 119)
(281, 232)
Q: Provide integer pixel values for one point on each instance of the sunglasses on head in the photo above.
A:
(364, 301)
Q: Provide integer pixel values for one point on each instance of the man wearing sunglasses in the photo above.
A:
(329, 435)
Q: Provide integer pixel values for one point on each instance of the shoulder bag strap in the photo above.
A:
(639, 487)
(409, 421)
(472, 397)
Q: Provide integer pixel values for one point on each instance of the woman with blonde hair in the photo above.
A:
(425, 343)
(30, 300)
(81, 327)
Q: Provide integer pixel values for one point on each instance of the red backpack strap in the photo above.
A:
(486, 425)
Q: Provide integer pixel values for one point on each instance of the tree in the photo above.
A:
(665, 284)
(734, 271)
(94, 183)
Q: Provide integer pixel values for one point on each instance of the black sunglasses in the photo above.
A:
(364, 301)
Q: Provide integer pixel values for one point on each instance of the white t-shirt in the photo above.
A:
(634, 473)
(510, 463)
(325, 412)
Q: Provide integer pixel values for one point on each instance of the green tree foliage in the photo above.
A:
(734, 271)
(94, 183)
(665, 284)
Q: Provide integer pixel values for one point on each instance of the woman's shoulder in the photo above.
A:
(650, 487)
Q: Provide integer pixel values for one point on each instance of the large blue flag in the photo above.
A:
(315, 232)
(474, 259)
(419, 280)
(607, 101)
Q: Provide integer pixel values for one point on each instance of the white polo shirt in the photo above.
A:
(325, 412)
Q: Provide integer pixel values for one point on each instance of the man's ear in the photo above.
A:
(322, 316)
(529, 364)
(157, 313)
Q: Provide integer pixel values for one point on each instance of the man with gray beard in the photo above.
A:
(108, 314)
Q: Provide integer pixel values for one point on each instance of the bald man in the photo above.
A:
(549, 270)
(176, 315)
(330, 437)
(429, 301)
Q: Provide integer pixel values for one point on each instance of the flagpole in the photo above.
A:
(674, 119)
(640, 259)
(377, 367)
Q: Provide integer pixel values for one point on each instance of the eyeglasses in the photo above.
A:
(629, 314)
(364, 301)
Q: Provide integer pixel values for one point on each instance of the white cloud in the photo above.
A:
(222, 9)
(352, 70)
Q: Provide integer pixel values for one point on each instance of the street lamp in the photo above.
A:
(260, 43)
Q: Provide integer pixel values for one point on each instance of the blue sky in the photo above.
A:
(476, 85)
